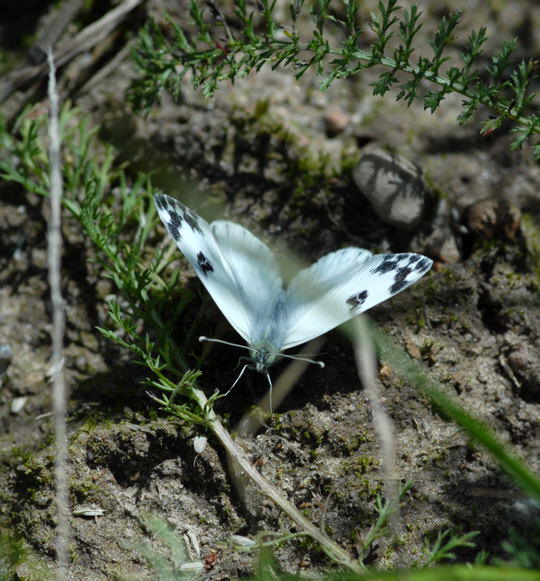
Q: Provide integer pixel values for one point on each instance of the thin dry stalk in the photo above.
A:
(243, 465)
(366, 362)
(237, 455)
(54, 238)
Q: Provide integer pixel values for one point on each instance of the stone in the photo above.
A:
(524, 362)
(490, 218)
(336, 120)
(394, 187)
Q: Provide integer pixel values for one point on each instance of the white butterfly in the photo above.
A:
(241, 275)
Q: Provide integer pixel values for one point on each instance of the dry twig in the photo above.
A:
(85, 40)
(366, 362)
(54, 249)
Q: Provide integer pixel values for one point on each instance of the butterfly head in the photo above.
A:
(263, 355)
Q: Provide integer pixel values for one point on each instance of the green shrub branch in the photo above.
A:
(502, 87)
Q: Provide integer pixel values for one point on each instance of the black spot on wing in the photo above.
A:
(169, 215)
(175, 220)
(177, 214)
(357, 300)
(174, 232)
(386, 265)
(400, 279)
(204, 264)
(192, 220)
(160, 202)
(401, 266)
(174, 226)
(423, 265)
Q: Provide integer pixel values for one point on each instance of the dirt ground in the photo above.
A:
(474, 322)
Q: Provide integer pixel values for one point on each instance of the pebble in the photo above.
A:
(88, 511)
(6, 355)
(17, 404)
(199, 444)
(526, 367)
(491, 218)
(336, 120)
(448, 251)
(523, 360)
(394, 187)
(241, 541)
(441, 242)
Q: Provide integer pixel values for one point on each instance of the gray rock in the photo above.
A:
(441, 242)
(394, 187)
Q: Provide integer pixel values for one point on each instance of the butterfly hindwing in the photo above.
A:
(343, 284)
(195, 239)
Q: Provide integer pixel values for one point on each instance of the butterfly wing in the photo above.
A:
(252, 264)
(343, 284)
(195, 239)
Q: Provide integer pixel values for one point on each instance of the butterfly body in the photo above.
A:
(242, 276)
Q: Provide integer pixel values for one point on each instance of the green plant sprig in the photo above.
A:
(501, 87)
(445, 544)
(385, 509)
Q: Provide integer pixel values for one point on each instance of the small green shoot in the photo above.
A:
(445, 544)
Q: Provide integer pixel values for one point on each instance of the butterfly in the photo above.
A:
(242, 276)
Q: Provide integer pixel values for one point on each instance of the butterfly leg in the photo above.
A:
(270, 394)
(236, 380)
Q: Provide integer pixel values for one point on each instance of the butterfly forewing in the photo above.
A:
(343, 284)
(252, 264)
(195, 239)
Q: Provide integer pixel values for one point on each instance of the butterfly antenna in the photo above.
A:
(236, 380)
(298, 358)
(203, 338)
